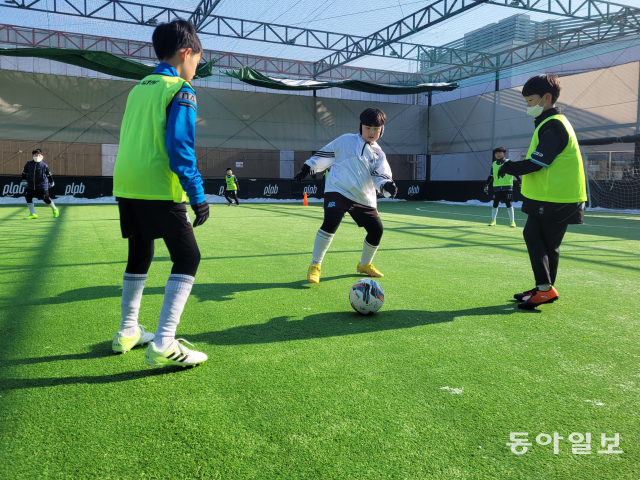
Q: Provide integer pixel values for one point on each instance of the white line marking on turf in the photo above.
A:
(453, 391)
(486, 216)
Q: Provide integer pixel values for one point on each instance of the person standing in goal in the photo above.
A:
(37, 180)
(231, 187)
(155, 166)
(359, 171)
(502, 187)
(553, 187)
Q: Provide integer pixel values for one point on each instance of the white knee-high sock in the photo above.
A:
(132, 287)
(32, 208)
(52, 205)
(176, 294)
(368, 251)
(321, 245)
(494, 214)
(511, 214)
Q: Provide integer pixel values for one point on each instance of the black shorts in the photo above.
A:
(39, 194)
(503, 195)
(153, 218)
(337, 205)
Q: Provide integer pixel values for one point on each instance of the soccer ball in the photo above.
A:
(366, 296)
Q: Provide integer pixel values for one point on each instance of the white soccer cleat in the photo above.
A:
(175, 354)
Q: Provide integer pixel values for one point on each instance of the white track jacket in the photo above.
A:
(358, 169)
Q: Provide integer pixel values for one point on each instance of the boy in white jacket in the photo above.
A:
(359, 171)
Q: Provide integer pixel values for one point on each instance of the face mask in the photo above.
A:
(536, 111)
(36, 159)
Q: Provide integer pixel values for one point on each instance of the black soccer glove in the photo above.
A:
(304, 171)
(202, 213)
(23, 184)
(503, 169)
(52, 184)
(486, 188)
(391, 188)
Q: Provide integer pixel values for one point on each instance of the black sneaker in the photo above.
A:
(520, 296)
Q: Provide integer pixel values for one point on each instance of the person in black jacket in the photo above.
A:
(37, 179)
(553, 187)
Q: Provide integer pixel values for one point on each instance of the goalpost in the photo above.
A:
(612, 172)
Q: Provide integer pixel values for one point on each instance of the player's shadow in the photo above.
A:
(204, 292)
(335, 324)
(279, 329)
(20, 383)
(99, 350)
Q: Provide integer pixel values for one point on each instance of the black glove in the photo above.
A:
(486, 188)
(24, 184)
(304, 171)
(503, 169)
(202, 213)
(52, 184)
(391, 188)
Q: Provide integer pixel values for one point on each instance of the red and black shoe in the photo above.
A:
(539, 297)
(520, 296)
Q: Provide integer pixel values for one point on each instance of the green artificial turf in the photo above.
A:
(298, 385)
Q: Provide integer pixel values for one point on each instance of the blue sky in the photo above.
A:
(358, 18)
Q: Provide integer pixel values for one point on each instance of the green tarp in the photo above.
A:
(102, 62)
(253, 77)
(110, 64)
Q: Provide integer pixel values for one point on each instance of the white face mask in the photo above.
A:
(536, 111)
(37, 158)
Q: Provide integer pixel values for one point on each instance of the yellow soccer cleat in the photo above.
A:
(492, 224)
(369, 270)
(513, 225)
(31, 217)
(122, 344)
(313, 274)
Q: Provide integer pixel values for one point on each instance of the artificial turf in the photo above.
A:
(299, 386)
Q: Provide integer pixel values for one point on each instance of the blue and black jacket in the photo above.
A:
(37, 175)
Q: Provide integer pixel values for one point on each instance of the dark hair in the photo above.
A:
(170, 37)
(541, 84)
(373, 117)
(229, 168)
(499, 149)
(37, 151)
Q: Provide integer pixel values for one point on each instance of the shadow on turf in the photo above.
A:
(204, 292)
(335, 324)
(20, 383)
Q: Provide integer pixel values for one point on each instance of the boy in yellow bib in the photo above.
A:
(553, 187)
(502, 187)
(155, 172)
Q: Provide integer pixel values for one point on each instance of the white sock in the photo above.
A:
(511, 215)
(321, 245)
(32, 208)
(132, 287)
(368, 251)
(545, 287)
(176, 294)
(494, 214)
(52, 205)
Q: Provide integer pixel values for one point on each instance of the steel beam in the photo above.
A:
(204, 9)
(591, 10)
(581, 36)
(123, 11)
(13, 36)
(432, 14)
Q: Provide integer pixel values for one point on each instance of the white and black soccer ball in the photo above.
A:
(366, 296)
